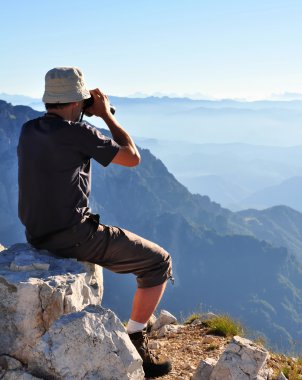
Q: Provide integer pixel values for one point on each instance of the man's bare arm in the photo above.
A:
(128, 154)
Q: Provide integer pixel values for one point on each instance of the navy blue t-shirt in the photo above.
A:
(55, 172)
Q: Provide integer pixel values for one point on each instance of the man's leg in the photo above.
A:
(145, 302)
(122, 251)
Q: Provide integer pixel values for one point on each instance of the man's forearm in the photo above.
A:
(119, 134)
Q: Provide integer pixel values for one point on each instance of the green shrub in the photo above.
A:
(223, 325)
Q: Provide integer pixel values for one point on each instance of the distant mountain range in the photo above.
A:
(247, 264)
(226, 192)
(238, 176)
(287, 192)
(204, 121)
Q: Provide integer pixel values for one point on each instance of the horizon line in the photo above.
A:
(282, 97)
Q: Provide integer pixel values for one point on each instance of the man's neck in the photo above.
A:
(71, 111)
(62, 113)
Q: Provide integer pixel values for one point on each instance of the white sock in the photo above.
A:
(134, 326)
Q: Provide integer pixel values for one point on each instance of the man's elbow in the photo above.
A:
(127, 157)
(135, 160)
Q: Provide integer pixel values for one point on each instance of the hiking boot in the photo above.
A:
(152, 365)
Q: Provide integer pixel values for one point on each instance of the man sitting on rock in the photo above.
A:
(54, 155)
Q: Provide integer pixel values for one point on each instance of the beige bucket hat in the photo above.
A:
(65, 85)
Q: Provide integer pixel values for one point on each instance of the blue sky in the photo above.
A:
(217, 48)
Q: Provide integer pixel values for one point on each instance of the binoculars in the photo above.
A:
(89, 102)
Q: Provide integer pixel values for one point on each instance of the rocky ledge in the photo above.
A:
(53, 328)
(52, 325)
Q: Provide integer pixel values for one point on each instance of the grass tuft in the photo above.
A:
(224, 325)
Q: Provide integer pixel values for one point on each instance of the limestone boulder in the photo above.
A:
(36, 288)
(241, 360)
(91, 344)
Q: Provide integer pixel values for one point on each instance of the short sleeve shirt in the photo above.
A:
(55, 172)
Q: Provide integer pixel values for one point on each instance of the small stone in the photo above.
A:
(282, 376)
(208, 339)
(197, 321)
(154, 345)
(168, 330)
(189, 367)
(165, 318)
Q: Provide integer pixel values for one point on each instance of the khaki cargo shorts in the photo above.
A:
(120, 251)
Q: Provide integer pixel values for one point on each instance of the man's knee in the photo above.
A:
(159, 271)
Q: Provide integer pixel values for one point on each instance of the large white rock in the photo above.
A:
(91, 345)
(241, 360)
(36, 288)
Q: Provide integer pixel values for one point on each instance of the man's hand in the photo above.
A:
(101, 104)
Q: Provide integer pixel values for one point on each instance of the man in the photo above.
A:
(54, 155)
